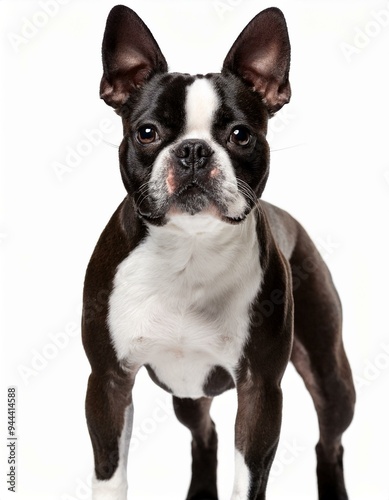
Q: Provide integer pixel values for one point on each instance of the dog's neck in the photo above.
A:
(198, 240)
(201, 227)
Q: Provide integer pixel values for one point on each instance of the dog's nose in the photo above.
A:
(193, 153)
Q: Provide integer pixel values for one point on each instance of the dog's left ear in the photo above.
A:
(131, 56)
(261, 57)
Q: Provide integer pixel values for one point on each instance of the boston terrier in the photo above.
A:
(199, 280)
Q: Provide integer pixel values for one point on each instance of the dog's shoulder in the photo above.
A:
(284, 228)
(121, 235)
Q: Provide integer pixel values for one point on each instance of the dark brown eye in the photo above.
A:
(240, 136)
(146, 134)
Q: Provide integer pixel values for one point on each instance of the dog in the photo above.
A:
(199, 280)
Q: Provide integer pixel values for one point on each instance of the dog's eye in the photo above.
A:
(146, 134)
(240, 136)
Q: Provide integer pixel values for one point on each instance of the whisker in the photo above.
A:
(143, 193)
(246, 189)
(288, 147)
(111, 144)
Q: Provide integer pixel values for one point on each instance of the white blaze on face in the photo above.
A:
(201, 104)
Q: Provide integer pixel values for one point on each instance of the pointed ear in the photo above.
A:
(261, 57)
(130, 56)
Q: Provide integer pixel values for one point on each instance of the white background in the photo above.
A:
(330, 169)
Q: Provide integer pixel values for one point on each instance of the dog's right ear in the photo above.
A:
(130, 56)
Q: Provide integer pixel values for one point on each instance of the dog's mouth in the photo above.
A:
(234, 220)
(192, 189)
(192, 198)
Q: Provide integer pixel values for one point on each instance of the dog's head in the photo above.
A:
(195, 144)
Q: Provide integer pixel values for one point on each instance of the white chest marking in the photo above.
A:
(181, 300)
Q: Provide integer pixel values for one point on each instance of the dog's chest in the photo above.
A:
(181, 302)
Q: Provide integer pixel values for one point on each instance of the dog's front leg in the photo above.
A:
(257, 430)
(259, 374)
(109, 412)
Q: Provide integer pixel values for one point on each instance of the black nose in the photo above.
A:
(193, 153)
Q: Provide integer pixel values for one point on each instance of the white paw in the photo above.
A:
(242, 478)
(112, 489)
